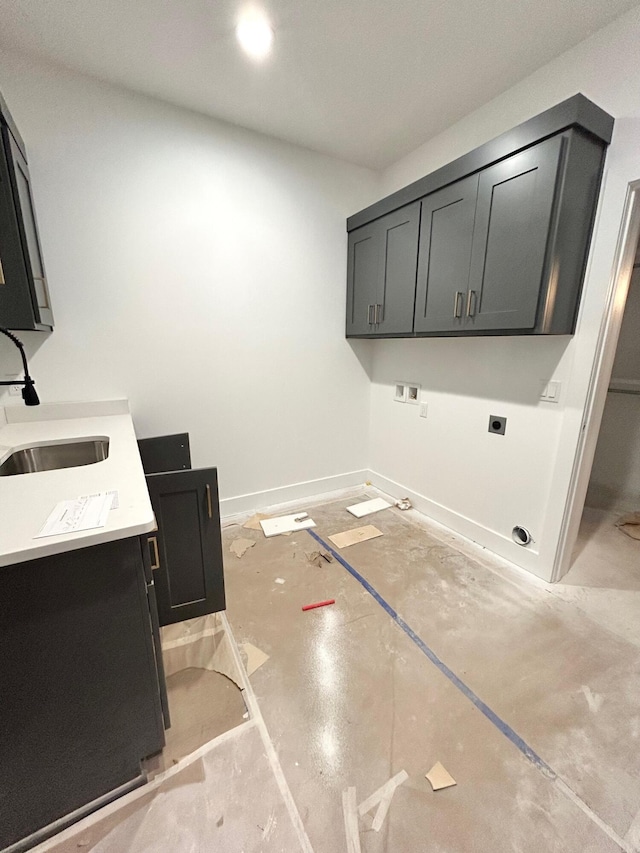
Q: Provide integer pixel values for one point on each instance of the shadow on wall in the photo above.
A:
(363, 350)
(511, 369)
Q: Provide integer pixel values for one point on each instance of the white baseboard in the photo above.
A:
(503, 546)
(255, 501)
(527, 558)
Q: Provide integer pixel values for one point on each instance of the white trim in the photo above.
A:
(599, 379)
(501, 545)
(242, 504)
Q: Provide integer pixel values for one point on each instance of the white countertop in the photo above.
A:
(26, 500)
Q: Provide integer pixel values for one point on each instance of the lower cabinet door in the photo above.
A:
(186, 550)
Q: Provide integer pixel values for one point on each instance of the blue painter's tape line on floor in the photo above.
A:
(500, 724)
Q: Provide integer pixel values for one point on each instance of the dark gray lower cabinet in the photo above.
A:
(80, 700)
(186, 551)
(165, 453)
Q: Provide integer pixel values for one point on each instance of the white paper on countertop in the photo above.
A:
(83, 513)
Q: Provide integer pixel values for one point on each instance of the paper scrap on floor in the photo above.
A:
(367, 507)
(253, 523)
(286, 524)
(241, 546)
(352, 537)
(630, 524)
(255, 657)
(439, 777)
(84, 513)
(319, 558)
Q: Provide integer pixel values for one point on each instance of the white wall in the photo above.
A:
(615, 476)
(482, 484)
(199, 270)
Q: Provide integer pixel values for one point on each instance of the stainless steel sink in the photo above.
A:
(49, 457)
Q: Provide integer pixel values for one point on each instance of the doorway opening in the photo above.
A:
(600, 546)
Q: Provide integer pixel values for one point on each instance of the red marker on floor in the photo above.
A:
(319, 604)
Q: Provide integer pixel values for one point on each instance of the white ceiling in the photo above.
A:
(366, 80)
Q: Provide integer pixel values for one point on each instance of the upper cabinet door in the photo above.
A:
(24, 297)
(186, 550)
(513, 220)
(396, 299)
(363, 278)
(29, 234)
(446, 235)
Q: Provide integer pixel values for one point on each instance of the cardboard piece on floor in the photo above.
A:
(358, 534)
(319, 558)
(440, 778)
(286, 524)
(367, 507)
(241, 546)
(404, 503)
(630, 524)
(253, 523)
(255, 657)
(201, 642)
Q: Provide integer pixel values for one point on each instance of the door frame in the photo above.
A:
(602, 366)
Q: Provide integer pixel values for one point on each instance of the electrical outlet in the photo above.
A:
(497, 424)
(423, 410)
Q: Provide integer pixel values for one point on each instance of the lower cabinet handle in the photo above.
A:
(209, 505)
(456, 304)
(377, 317)
(369, 320)
(471, 298)
(153, 540)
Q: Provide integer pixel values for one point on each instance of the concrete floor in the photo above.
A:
(526, 693)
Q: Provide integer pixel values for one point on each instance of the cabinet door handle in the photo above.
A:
(209, 504)
(456, 304)
(471, 298)
(378, 314)
(153, 540)
(370, 315)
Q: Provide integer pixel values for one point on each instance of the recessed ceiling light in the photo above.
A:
(255, 35)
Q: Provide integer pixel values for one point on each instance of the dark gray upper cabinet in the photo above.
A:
(24, 295)
(501, 241)
(513, 218)
(362, 279)
(186, 551)
(382, 274)
(446, 234)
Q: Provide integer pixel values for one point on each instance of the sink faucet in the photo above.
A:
(29, 394)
